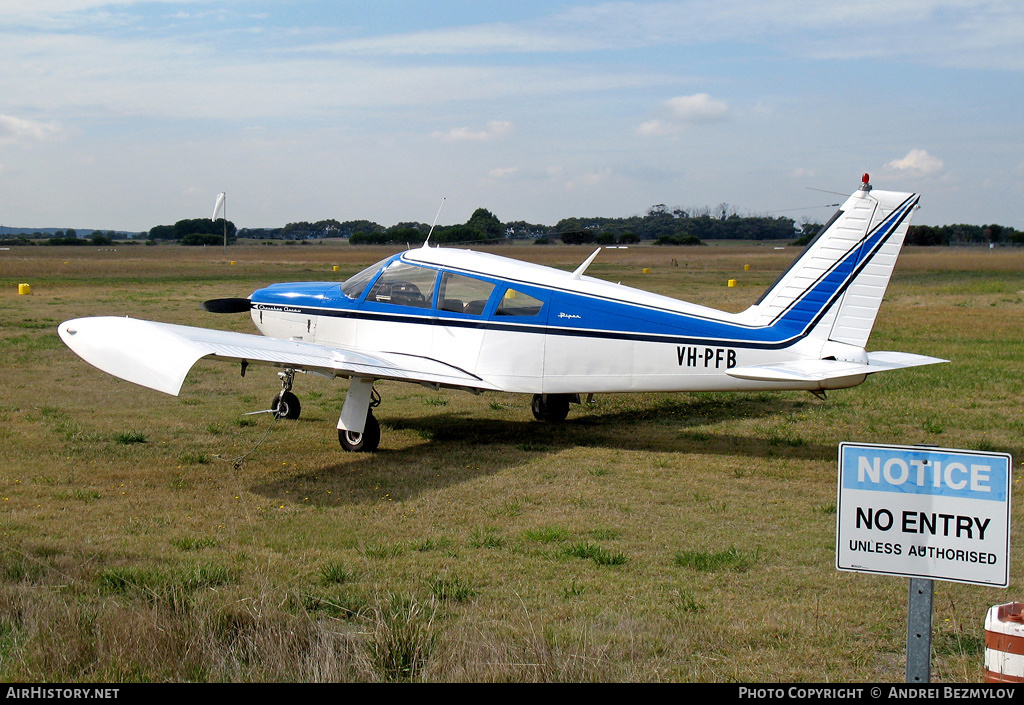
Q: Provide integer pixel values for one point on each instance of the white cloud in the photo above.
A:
(587, 180)
(503, 172)
(965, 33)
(803, 173)
(14, 130)
(917, 163)
(945, 32)
(472, 39)
(684, 110)
(653, 128)
(697, 108)
(493, 130)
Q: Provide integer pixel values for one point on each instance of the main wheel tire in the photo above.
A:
(286, 406)
(552, 408)
(365, 442)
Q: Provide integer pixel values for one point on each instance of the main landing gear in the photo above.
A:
(365, 442)
(358, 429)
(552, 408)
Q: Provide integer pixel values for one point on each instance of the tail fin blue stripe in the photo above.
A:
(809, 308)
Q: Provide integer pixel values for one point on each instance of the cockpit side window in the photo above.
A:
(518, 303)
(461, 294)
(355, 285)
(405, 284)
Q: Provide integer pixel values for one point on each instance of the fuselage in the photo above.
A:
(521, 327)
(468, 320)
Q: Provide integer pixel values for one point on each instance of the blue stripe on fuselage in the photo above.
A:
(568, 313)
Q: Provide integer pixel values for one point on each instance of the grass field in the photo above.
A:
(652, 537)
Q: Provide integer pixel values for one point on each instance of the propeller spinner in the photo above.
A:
(229, 305)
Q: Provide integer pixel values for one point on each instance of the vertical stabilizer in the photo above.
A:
(833, 291)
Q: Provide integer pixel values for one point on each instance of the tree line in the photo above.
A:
(98, 238)
(931, 235)
(660, 225)
(196, 231)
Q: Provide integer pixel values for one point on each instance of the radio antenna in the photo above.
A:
(431, 232)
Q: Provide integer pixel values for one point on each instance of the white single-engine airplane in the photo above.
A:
(479, 322)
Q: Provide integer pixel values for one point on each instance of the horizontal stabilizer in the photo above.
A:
(824, 370)
(883, 360)
(160, 355)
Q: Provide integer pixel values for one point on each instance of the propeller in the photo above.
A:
(230, 305)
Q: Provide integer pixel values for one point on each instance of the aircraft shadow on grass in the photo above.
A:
(458, 447)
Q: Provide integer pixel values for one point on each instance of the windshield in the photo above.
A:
(405, 285)
(355, 285)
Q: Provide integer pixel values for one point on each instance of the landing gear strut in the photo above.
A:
(361, 399)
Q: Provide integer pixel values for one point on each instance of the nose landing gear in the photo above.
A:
(286, 405)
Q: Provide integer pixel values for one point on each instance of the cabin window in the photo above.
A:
(516, 303)
(355, 285)
(461, 294)
(405, 285)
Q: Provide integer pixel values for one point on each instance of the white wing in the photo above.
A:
(160, 355)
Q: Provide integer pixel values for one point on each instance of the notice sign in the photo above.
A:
(924, 513)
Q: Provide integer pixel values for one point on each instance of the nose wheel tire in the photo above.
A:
(365, 442)
(286, 406)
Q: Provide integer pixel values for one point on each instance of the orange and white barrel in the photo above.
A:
(1004, 643)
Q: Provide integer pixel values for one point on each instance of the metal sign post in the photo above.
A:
(919, 630)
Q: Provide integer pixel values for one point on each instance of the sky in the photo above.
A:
(123, 115)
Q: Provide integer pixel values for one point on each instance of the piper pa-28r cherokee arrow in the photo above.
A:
(474, 321)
